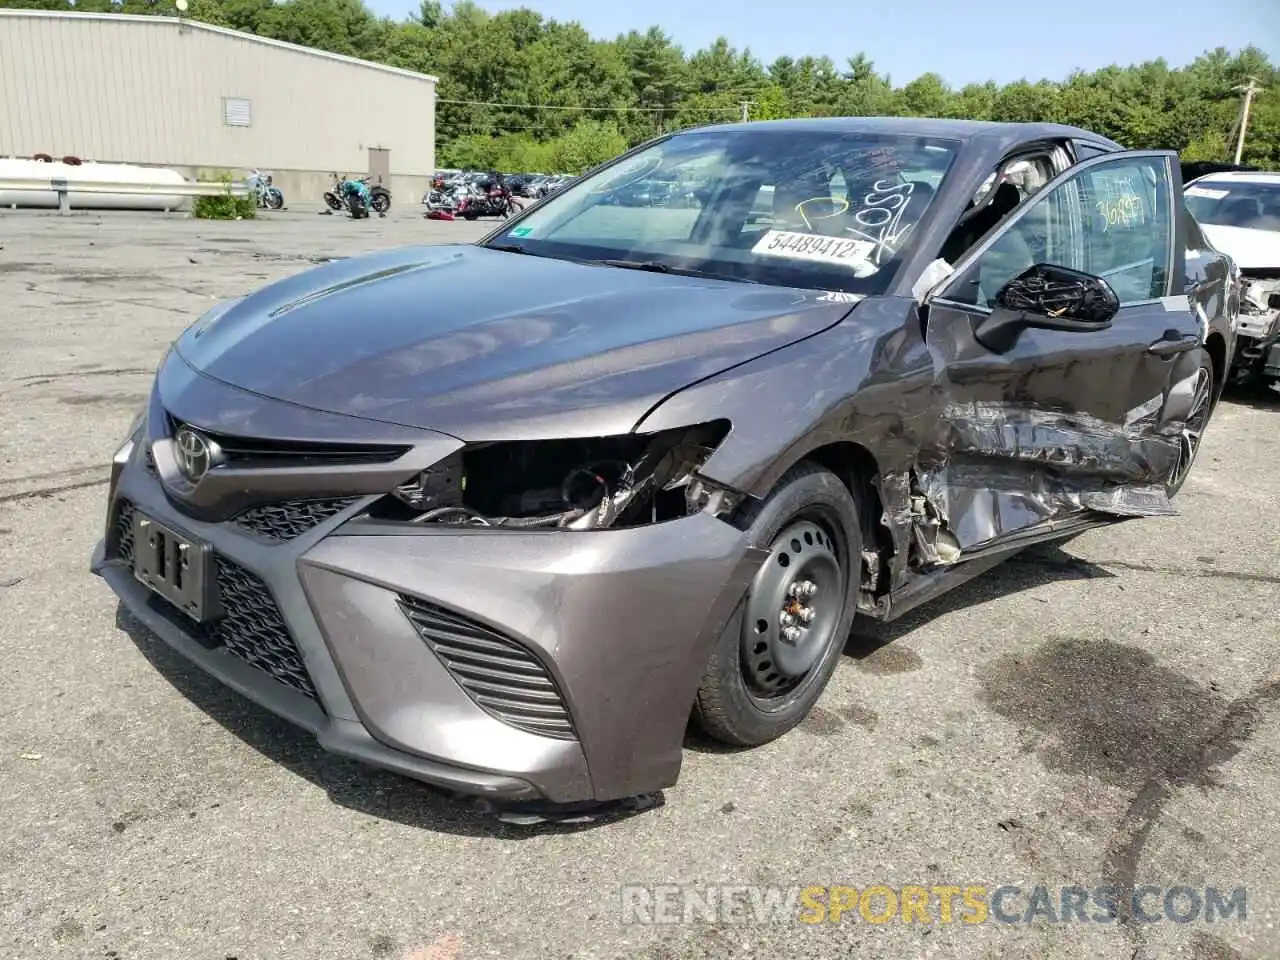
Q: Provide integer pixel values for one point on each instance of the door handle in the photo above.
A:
(1172, 343)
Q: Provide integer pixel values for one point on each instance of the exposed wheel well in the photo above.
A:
(1217, 348)
(856, 466)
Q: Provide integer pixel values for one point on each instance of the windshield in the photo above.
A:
(1228, 203)
(819, 210)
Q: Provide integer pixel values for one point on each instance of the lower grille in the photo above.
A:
(291, 518)
(251, 626)
(503, 678)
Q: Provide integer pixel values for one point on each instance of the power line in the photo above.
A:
(548, 106)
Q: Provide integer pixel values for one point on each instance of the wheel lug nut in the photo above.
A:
(786, 619)
(791, 635)
(807, 615)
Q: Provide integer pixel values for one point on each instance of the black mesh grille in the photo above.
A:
(251, 627)
(500, 675)
(123, 530)
(291, 518)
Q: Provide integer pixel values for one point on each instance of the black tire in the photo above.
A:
(380, 200)
(331, 199)
(275, 199)
(729, 706)
(1205, 392)
(470, 215)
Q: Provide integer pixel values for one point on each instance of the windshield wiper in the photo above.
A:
(507, 247)
(653, 266)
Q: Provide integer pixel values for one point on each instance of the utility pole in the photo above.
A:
(746, 109)
(1250, 90)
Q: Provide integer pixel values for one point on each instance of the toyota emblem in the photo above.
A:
(194, 452)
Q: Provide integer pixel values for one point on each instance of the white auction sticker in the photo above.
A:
(815, 248)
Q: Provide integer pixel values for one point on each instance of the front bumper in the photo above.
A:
(616, 624)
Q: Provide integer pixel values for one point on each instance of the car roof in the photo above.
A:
(949, 129)
(1239, 176)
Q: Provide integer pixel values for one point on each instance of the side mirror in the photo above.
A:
(1047, 297)
(1273, 301)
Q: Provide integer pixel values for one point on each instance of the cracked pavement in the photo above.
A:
(1102, 711)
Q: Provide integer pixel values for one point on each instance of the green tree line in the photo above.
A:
(574, 100)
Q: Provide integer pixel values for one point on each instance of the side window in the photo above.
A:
(1043, 234)
(1110, 220)
(1128, 229)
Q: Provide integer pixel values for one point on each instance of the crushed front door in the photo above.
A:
(1065, 422)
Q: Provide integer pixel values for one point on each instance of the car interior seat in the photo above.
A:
(1004, 200)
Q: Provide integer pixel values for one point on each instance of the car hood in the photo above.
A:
(488, 345)
(1250, 249)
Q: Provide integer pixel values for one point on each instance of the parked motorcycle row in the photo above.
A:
(358, 196)
(469, 195)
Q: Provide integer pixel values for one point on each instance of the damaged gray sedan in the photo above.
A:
(502, 516)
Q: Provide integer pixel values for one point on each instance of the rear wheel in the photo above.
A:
(381, 201)
(1189, 440)
(331, 199)
(763, 678)
(275, 199)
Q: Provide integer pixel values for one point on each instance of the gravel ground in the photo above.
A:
(1103, 712)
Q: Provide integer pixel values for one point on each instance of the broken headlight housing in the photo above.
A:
(568, 484)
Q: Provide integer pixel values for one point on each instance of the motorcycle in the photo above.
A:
(496, 202)
(375, 197)
(441, 201)
(352, 194)
(379, 197)
(268, 197)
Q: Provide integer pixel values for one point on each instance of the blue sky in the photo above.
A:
(965, 42)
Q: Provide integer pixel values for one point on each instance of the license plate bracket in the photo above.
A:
(174, 566)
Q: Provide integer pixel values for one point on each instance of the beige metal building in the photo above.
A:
(204, 99)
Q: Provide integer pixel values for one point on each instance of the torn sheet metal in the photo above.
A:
(1002, 468)
(979, 507)
(1066, 443)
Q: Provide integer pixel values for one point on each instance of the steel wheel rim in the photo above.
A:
(1191, 434)
(793, 609)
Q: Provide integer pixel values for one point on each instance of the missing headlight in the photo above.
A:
(575, 484)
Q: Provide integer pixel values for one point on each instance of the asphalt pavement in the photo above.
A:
(1101, 713)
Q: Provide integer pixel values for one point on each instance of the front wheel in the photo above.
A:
(331, 200)
(1202, 395)
(275, 199)
(763, 678)
(381, 201)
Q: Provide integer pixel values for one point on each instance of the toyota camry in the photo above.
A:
(503, 516)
